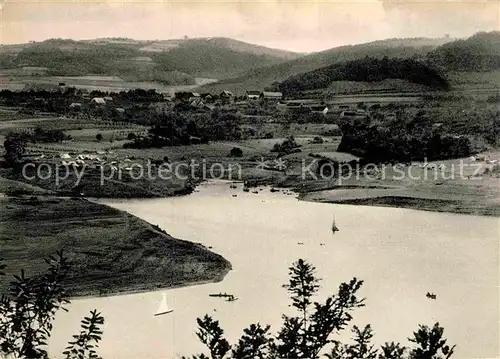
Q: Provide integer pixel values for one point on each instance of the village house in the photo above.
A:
(207, 97)
(271, 96)
(197, 103)
(186, 96)
(226, 96)
(319, 109)
(252, 95)
(302, 107)
(353, 114)
(75, 106)
(98, 101)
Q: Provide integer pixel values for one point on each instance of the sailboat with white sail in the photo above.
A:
(163, 308)
(334, 226)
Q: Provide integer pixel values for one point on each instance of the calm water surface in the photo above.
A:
(400, 254)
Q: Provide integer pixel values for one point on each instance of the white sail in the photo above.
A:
(163, 308)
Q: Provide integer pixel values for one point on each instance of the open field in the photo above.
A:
(11, 81)
(111, 251)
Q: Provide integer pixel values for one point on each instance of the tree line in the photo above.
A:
(174, 128)
(400, 140)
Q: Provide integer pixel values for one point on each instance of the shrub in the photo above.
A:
(269, 135)
(285, 147)
(236, 152)
(28, 310)
(131, 136)
(317, 139)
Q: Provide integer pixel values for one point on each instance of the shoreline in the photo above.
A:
(396, 197)
(112, 252)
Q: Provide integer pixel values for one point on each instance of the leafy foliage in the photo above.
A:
(15, 146)
(311, 332)
(83, 346)
(236, 152)
(28, 310)
(401, 139)
(211, 334)
(431, 343)
(289, 145)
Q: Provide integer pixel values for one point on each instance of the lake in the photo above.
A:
(400, 254)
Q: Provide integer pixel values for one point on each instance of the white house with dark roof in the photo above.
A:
(253, 95)
(98, 101)
(271, 96)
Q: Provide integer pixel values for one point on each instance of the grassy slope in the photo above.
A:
(111, 251)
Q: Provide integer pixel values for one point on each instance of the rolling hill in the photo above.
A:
(480, 52)
(171, 61)
(392, 48)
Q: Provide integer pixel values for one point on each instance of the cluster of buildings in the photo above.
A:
(227, 96)
(82, 100)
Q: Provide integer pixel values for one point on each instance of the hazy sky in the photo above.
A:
(295, 25)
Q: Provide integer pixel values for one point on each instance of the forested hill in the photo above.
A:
(480, 52)
(392, 48)
(368, 69)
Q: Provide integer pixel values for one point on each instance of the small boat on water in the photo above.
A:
(334, 226)
(430, 295)
(220, 295)
(163, 308)
(231, 298)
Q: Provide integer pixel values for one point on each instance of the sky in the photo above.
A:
(303, 26)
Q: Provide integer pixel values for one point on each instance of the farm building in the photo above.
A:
(353, 114)
(186, 96)
(298, 107)
(108, 98)
(253, 95)
(226, 94)
(271, 96)
(207, 96)
(98, 101)
(75, 106)
(197, 103)
(319, 109)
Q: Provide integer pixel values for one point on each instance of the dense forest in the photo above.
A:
(480, 52)
(401, 140)
(368, 69)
